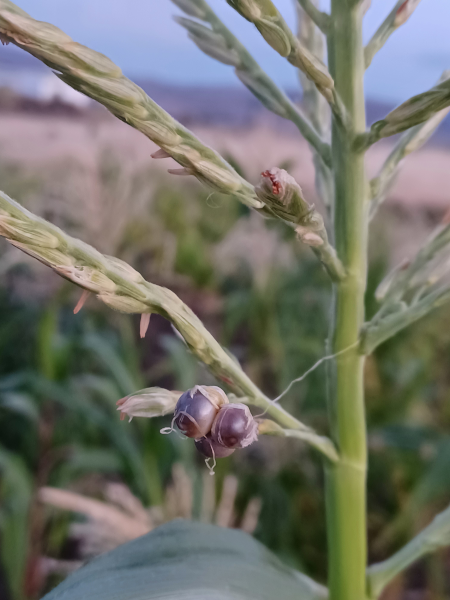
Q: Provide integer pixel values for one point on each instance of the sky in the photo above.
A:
(142, 38)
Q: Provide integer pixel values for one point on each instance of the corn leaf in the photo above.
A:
(183, 560)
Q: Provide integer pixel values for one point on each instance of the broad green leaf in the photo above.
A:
(21, 404)
(15, 495)
(111, 361)
(184, 560)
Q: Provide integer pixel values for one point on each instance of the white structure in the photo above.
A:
(51, 88)
(28, 77)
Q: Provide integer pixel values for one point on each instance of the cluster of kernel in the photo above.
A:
(205, 414)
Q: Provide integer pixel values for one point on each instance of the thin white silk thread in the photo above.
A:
(310, 370)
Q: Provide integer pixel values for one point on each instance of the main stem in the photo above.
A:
(346, 480)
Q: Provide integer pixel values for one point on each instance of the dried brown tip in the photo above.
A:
(145, 322)
(446, 218)
(404, 12)
(183, 172)
(160, 154)
(276, 185)
(405, 264)
(84, 296)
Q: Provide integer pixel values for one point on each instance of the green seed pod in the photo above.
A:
(88, 278)
(25, 232)
(47, 256)
(123, 304)
(274, 36)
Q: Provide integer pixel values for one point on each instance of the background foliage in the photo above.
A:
(265, 299)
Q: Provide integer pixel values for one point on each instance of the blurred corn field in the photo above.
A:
(63, 445)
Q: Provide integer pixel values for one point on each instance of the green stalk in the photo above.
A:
(346, 479)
